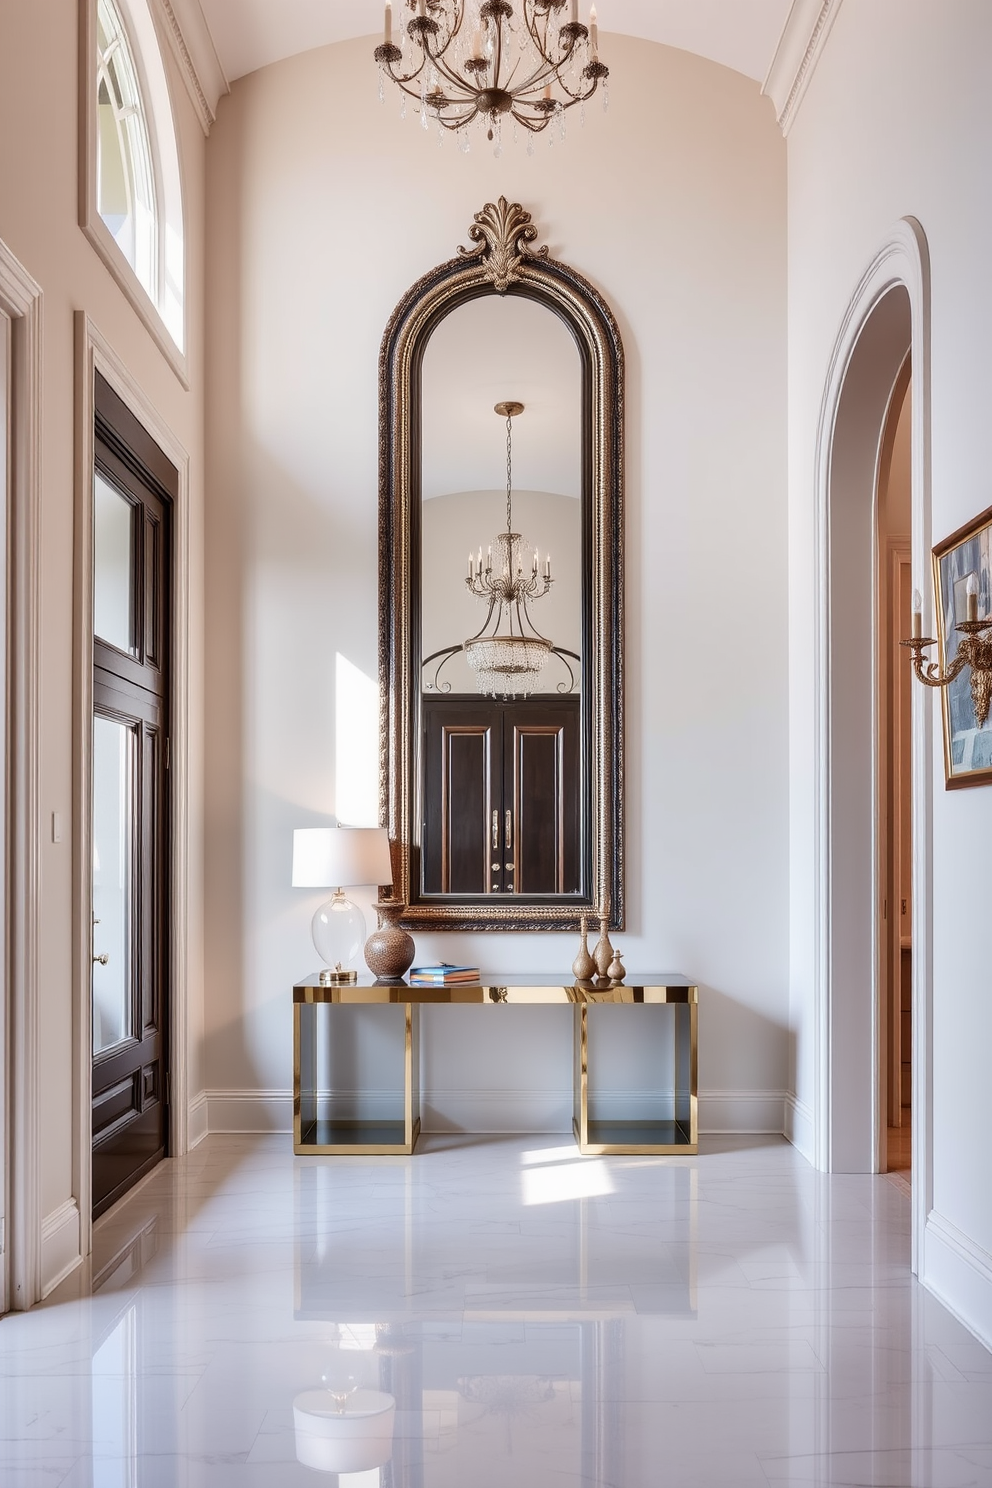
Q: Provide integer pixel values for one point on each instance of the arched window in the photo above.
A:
(125, 175)
(134, 195)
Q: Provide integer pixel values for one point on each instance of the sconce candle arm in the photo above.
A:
(974, 650)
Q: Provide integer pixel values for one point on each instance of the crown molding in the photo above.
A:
(800, 47)
(185, 28)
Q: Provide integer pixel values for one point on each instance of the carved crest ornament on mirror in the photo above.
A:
(502, 787)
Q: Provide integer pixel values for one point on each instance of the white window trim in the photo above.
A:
(90, 220)
(95, 354)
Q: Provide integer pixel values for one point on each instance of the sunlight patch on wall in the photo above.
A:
(356, 745)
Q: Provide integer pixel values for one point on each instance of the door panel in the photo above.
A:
(502, 783)
(460, 746)
(542, 762)
(538, 837)
(130, 801)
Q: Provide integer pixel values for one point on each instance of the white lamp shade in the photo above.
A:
(339, 857)
(353, 1440)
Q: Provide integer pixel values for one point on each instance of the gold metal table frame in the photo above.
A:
(316, 1131)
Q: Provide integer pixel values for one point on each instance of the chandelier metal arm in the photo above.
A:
(485, 626)
(481, 86)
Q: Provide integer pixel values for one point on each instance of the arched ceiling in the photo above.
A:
(741, 34)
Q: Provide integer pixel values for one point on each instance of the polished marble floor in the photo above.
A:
(496, 1313)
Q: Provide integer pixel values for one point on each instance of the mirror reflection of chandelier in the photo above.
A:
(509, 652)
(475, 59)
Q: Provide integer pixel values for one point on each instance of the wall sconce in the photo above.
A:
(974, 650)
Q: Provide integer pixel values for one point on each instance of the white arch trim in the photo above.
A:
(902, 263)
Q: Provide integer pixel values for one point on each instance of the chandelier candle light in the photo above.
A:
(484, 59)
(508, 653)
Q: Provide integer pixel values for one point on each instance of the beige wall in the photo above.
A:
(324, 206)
(38, 221)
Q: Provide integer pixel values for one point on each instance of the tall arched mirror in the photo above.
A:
(501, 590)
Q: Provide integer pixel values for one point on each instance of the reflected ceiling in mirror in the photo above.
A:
(484, 353)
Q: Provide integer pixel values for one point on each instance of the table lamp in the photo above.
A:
(340, 858)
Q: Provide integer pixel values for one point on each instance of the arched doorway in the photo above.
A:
(886, 324)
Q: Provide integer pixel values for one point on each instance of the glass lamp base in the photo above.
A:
(338, 930)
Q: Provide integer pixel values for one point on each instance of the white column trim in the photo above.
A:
(799, 49)
(95, 354)
(21, 299)
(903, 259)
(188, 36)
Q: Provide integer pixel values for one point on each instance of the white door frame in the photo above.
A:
(888, 315)
(21, 301)
(94, 354)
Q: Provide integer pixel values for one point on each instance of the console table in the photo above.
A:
(315, 1131)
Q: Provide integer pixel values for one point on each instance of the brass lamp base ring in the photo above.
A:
(338, 977)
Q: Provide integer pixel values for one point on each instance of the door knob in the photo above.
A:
(102, 959)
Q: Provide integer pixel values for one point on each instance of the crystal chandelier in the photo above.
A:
(477, 59)
(508, 653)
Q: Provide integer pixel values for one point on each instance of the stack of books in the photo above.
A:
(442, 974)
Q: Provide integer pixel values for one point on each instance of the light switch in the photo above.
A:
(56, 826)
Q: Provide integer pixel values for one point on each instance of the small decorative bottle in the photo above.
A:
(603, 954)
(617, 970)
(583, 967)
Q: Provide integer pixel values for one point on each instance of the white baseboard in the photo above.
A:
(61, 1252)
(798, 1126)
(196, 1121)
(249, 1110)
(745, 1112)
(488, 1111)
(959, 1272)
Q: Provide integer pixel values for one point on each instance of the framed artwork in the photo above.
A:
(965, 555)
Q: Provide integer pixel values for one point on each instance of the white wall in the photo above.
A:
(896, 122)
(324, 207)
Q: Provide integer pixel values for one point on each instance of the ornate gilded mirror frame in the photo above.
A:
(502, 261)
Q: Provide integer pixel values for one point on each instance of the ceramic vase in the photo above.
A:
(389, 950)
(617, 970)
(603, 954)
(583, 967)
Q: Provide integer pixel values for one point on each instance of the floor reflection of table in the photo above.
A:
(319, 1128)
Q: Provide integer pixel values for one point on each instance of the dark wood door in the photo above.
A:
(132, 588)
(501, 796)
